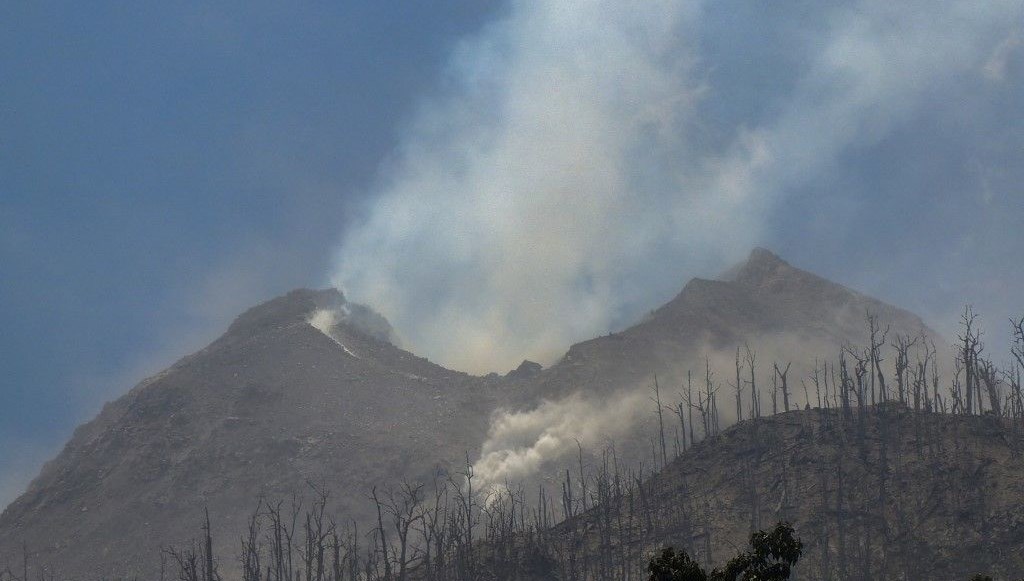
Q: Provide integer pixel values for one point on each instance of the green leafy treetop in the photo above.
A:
(673, 566)
(771, 558)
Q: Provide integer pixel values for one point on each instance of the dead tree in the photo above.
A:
(1017, 366)
(193, 564)
(689, 402)
(209, 567)
(251, 553)
(970, 349)
(659, 409)
(381, 534)
(187, 561)
(783, 384)
(739, 388)
(711, 401)
(281, 537)
(432, 529)
(755, 396)
(816, 378)
(902, 345)
(775, 394)
(318, 531)
(920, 378)
(678, 411)
(845, 385)
(989, 376)
(404, 509)
(877, 339)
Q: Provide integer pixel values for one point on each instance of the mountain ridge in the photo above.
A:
(879, 492)
(276, 403)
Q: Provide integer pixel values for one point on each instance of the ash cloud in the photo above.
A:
(562, 180)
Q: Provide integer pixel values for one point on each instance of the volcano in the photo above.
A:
(308, 390)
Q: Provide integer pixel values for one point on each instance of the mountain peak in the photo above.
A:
(526, 370)
(295, 306)
(761, 264)
(274, 405)
(761, 255)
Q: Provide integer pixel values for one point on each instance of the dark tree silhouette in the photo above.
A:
(771, 558)
(673, 566)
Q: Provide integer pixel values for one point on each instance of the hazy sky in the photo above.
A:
(499, 178)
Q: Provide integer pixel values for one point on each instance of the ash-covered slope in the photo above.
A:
(276, 402)
(874, 493)
(599, 392)
(783, 313)
(270, 405)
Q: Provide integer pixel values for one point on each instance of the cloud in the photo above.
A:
(561, 181)
(996, 66)
(527, 193)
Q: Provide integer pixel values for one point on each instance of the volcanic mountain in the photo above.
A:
(273, 405)
(787, 314)
(307, 389)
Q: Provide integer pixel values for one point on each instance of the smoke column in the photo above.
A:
(558, 182)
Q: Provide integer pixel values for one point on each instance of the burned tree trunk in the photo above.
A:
(783, 383)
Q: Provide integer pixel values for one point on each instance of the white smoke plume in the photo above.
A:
(521, 201)
(324, 320)
(519, 444)
(559, 183)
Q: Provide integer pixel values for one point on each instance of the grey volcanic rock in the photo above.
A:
(526, 370)
(265, 409)
(782, 312)
(276, 403)
(931, 496)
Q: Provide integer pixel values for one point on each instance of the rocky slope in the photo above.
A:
(270, 406)
(784, 313)
(277, 403)
(882, 493)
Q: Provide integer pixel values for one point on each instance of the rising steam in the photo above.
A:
(520, 443)
(559, 182)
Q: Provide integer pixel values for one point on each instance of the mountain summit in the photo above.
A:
(310, 388)
(272, 405)
(761, 262)
(782, 312)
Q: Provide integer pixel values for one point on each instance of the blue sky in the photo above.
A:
(165, 165)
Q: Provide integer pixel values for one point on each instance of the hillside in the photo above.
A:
(783, 312)
(882, 493)
(271, 405)
(277, 403)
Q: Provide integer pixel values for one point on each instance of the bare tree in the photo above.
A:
(755, 396)
(970, 349)
(659, 410)
(194, 564)
(877, 339)
(739, 388)
(902, 344)
(783, 384)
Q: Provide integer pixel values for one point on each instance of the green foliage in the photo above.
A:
(771, 558)
(673, 566)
